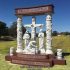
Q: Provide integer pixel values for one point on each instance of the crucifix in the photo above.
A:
(33, 28)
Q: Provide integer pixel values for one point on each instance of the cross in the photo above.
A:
(33, 28)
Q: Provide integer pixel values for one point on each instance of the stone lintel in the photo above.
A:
(38, 10)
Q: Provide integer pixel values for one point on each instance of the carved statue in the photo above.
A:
(26, 37)
(41, 41)
(31, 49)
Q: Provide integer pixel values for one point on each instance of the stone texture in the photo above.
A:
(33, 33)
(19, 35)
(48, 33)
(11, 51)
(26, 38)
(35, 59)
(59, 54)
(41, 42)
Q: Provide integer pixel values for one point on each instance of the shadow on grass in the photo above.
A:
(63, 54)
(66, 54)
(7, 39)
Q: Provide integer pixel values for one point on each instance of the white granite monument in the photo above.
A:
(31, 55)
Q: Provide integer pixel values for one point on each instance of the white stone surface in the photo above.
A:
(48, 33)
(19, 35)
(26, 38)
(33, 33)
(31, 49)
(11, 51)
(59, 54)
(41, 42)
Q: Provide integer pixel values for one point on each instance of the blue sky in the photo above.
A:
(61, 16)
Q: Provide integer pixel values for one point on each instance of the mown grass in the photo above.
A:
(5, 46)
(62, 42)
(57, 42)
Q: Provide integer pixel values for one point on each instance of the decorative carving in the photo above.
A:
(19, 35)
(59, 54)
(49, 35)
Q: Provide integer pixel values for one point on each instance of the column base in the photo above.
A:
(19, 51)
(49, 52)
(35, 60)
(42, 51)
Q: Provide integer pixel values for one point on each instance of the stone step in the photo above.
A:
(8, 58)
(59, 62)
(33, 63)
(37, 60)
(29, 59)
(33, 56)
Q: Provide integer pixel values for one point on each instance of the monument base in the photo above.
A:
(34, 60)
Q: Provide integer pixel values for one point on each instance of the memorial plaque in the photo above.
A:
(35, 10)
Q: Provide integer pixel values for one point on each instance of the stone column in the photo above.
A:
(19, 35)
(33, 33)
(49, 34)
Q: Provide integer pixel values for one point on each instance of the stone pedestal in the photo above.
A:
(59, 62)
(31, 60)
(35, 60)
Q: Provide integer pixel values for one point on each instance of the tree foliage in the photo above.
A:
(65, 33)
(13, 29)
(3, 29)
(54, 33)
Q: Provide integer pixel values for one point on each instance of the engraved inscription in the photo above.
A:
(34, 10)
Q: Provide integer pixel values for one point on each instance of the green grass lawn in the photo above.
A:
(5, 46)
(57, 42)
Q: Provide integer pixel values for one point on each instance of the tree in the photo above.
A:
(55, 33)
(13, 29)
(65, 33)
(3, 29)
